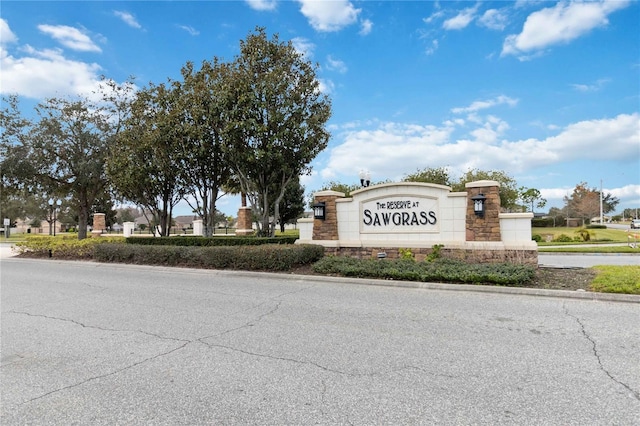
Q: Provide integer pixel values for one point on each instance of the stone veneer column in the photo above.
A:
(486, 228)
(99, 224)
(244, 225)
(327, 229)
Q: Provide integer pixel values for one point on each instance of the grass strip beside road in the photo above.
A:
(591, 249)
(608, 235)
(617, 279)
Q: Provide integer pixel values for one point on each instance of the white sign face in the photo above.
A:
(7, 222)
(399, 213)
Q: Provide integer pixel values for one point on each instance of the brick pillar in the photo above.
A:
(327, 229)
(486, 228)
(99, 224)
(244, 225)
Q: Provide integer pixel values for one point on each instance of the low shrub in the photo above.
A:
(271, 257)
(67, 246)
(543, 222)
(436, 253)
(537, 238)
(563, 238)
(583, 235)
(197, 241)
(405, 253)
(439, 270)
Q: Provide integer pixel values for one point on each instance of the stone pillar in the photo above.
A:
(244, 226)
(128, 228)
(486, 228)
(198, 227)
(327, 229)
(99, 224)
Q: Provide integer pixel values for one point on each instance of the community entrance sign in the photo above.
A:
(391, 216)
(400, 213)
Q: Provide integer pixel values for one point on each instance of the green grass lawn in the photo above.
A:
(598, 236)
(617, 279)
(590, 248)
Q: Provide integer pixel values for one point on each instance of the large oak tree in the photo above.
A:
(144, 165)
(276, 117)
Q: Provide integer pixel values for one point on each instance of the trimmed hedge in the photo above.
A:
(196, 241)
(271, 257)
(545, 222)
(67, 246)
(439, 270)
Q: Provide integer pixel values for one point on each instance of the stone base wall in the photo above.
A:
(520, 257)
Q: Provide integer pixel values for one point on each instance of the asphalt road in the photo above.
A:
(86, 343)
(586, 260)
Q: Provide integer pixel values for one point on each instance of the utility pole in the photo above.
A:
(601, 217)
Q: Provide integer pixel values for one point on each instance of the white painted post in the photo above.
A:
(128, 229)
(198, 228)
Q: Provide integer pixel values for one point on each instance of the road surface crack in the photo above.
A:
(278, 358)
(95, 327)
(594, 348)
(118, 371)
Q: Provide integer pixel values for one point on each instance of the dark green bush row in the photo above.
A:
(271, 257)
(596, 226)
(546, 222)
(210, 242)
(440, 270)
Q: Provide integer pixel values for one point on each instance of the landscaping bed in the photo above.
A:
(545, 278)
(309, 260)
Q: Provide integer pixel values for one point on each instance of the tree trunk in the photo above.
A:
(83, 222)
(266, 226)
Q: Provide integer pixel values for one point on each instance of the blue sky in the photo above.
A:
(548, 92)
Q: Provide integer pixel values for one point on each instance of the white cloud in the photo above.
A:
(303, 46)
(480, 105)
(594, 87)
(435, 15)
(461, 20)
(431, 49)
(329, 15)
(588, 139)
(559, 24)
(388, 151)
(262, 4)
(46, 73)
(394, 149)
(189, 29)
(627, 191)
(326, 86)
(493, 19)
(6, 35)
(127, 18)
(336, 65)
(70, 37)
(365, 27)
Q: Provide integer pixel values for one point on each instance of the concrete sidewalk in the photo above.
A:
(6, 250)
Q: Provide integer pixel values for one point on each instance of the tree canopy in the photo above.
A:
(438, 175)
(144, 166)
(584, 202)
(276, 121)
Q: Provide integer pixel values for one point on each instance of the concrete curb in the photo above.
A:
(579, 294)
(567, 294)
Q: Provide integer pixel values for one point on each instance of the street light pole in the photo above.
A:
(53, 214)
(50, 215)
